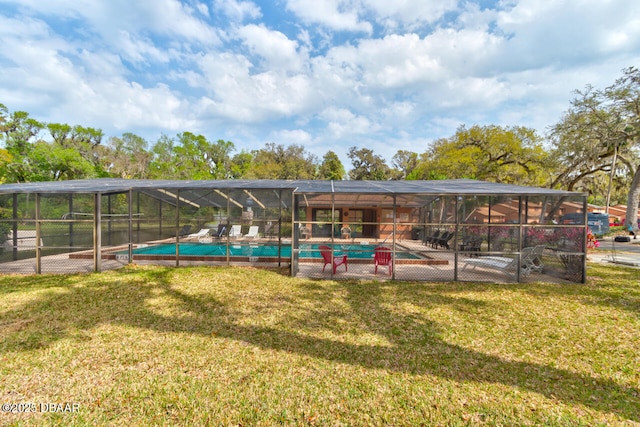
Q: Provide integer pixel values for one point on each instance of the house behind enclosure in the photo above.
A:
(450, 230)
(617, 214)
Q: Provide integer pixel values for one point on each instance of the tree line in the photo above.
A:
(594, 147)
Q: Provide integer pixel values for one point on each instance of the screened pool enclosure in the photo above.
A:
(456, 230)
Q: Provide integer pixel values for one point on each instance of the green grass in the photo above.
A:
(232, 346)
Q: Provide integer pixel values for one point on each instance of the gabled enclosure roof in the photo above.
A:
(455, 186)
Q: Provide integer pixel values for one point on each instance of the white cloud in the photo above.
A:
(296, 136)
(343, 123)
(78, 86)
(339, 15)
(409, 13)
(141, 51)
(109, 18)
(279, 52)
(349, 15)
(567, 33)
(238, 11)
(22, 28)
(237, 94)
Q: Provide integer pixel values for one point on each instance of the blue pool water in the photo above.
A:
(259, 250)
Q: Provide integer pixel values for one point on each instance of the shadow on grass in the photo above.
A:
(607, 286)
(66, 305)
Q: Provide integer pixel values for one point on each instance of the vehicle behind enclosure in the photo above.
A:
(598, 222)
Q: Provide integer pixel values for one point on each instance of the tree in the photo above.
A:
(56, 163)
(331, 167)
(220, 155)
(129, 157)
(240, 165)
(59, 132)
(28, 158)
(585, 140)
(625, 97)
(5, 159)
(367, 165)
(163, 165)
(276, 161)
(19, 133)
(512, 155)
(599, 135)
(404, 162)
(185, 158)
(86, 141)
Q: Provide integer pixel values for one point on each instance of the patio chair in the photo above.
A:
(184, 230)
(305, 233)
(432, 238)
(505, 264)
(271, 229)
(325, 251)
(222, 229)
(534, 263)
(382, 256)
(471, 245)
(443, 240)
(252, 233)
(202, 233)
(235, 232)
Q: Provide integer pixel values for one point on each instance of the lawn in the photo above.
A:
(233, 346)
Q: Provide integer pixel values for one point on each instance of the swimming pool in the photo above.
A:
(255, 250)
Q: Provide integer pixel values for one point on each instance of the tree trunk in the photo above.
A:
(611, 174)
(632, 202)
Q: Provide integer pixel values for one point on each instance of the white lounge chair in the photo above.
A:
(202, 233)
(235, 232)
(252, 233)
(505, 264)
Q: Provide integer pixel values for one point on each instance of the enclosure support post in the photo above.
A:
(109, 220)
(520, 241)
(178, 228)
(130, 203)
(228, 229)
(393, 240)
(14, 243)
(97, 232)
(295, 235)
(333, 225)
(137, 213)
(71, 220)
(585, 224)
(38, 237)
(159, 216)
(489, 243)
(456, 247)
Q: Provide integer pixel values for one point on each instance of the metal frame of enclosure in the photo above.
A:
(451, 230)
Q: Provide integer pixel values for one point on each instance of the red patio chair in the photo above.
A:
(382, 256)
(337, 260)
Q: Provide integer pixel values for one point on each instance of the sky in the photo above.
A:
(325, 74)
